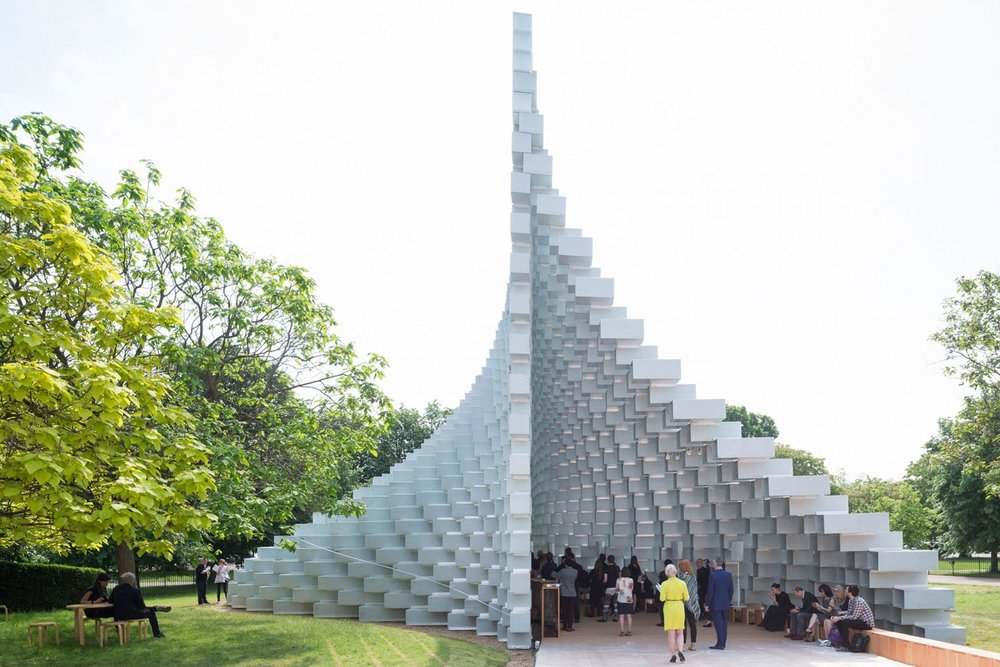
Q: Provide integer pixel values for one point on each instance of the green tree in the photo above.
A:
(971, 336)
(968, 507)
(93, 446)
(280, 401)
(407, 431)
(906, 512)
(754, 425)
(924, 475)
(803, 463)
(967, 448)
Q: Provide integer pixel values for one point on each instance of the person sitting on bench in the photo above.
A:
(95, 595)
(129, 604)
(859, 616)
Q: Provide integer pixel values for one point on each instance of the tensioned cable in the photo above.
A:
(396, 569)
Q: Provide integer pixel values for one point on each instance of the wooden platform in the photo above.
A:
(927, 652)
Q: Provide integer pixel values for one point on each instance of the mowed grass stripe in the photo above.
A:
(200, 635)
(405, 660)
(333, 654)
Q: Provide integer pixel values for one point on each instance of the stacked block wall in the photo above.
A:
(577, 434)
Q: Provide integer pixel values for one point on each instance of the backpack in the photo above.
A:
(859, 643)
(834, 637)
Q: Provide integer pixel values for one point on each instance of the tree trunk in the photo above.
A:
(126, 560)
(993, 562)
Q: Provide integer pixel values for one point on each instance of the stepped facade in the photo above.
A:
(577, 434)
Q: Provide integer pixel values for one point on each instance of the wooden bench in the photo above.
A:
(123, 629)
(926, 652)
(43, 631)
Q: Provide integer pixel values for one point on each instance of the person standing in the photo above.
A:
(718, 601)
(612, 572)
(221, 570)
(673, 595)
(702, 575)
(661, 577)
(566, 576)
(625, 599)
(596, 599)
(692, 608)
(201, 580)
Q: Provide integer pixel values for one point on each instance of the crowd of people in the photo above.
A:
(841, 608)
(681, 595)
(688, 597)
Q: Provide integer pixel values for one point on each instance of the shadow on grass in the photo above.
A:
(199, 636)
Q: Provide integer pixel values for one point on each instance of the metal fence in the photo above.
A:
(968, 567)
(162, 579)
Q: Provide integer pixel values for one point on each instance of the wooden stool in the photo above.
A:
(97, 625)
(121, 627)
(143, 626)
(43, 631)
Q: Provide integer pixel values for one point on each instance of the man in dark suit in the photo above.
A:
(201, 579)
(128, 603)
(718, 600)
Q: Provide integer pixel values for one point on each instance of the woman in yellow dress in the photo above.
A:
(673, 594)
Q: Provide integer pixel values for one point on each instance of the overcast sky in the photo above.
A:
(784, 191)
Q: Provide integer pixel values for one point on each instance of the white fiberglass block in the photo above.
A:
(622, 329)
(535, 163)
(546, 204)
(922, 597)
(595, 289)
(745, 448)
(805, 485)
(801, 505)
(873, 522)
(667, 371)
(699, 409)
(906, 561)
(708, 432)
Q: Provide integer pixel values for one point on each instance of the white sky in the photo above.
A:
(783, 191)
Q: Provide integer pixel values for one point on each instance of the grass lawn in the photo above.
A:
(201, 636)
(978, 609)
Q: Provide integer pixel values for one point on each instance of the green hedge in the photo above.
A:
(30, 587)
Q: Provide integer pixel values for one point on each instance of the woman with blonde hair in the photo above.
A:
(673, 595)
(691, 607)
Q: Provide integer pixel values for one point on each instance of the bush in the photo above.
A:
(31, 587)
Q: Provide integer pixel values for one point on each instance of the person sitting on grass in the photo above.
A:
(129, 605)
(97, 594)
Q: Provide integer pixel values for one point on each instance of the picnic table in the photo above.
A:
(78, 616)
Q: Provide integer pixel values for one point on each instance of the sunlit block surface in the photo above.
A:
(576, 434)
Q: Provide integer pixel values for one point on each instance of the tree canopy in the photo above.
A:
(92, 444)
(408, 428)
(960, 469)
(278, 402)
(754, 425)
